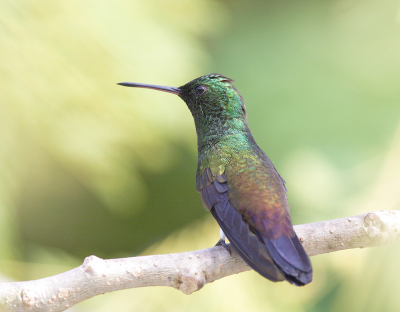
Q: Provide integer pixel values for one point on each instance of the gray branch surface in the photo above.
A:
(189, 271)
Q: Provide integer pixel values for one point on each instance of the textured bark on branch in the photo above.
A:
(189, 271)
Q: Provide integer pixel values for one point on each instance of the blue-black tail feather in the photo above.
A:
(290, 256)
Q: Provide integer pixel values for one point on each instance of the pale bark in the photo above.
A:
(189, 271)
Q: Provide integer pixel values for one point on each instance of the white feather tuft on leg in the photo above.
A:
(222, 235)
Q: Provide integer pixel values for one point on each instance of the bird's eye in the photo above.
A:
(200, 90)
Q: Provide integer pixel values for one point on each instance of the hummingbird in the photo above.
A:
(238, 183)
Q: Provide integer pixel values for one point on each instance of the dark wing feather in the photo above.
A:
(274, 258)
(215, 198)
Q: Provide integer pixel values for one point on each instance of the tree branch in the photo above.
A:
(189, 271)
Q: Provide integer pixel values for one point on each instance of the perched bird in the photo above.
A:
(238, 183)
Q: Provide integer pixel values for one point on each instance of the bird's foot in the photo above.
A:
(222, 243)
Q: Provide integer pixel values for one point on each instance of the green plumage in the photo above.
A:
(239, 184)
(226, 146)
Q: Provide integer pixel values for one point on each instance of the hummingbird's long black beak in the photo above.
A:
(172, 90)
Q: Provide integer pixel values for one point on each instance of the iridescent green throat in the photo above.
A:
(219, 112)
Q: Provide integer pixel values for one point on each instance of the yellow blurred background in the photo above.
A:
(88, 167)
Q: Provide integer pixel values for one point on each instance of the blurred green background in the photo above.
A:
(88, 167)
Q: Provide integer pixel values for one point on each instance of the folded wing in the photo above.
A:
(276, 258)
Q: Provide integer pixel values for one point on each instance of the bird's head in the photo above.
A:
(212, 96)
